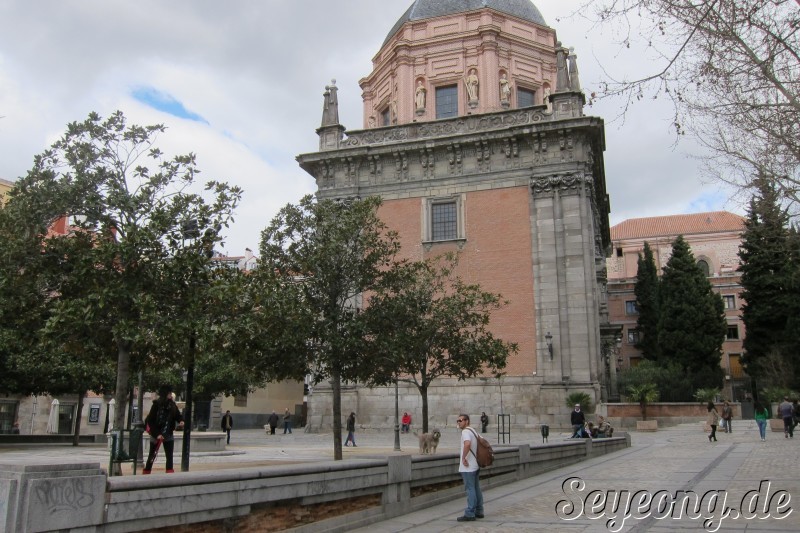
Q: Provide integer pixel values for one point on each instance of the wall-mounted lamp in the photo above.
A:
(549, 340)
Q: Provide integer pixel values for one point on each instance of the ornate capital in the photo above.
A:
(568, 183)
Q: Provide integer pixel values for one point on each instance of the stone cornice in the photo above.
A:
(457, 126)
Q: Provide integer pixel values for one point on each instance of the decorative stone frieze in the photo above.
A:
(442, 128)
(569, 183)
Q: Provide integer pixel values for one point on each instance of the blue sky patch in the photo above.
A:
(708, 201)
(165, 103)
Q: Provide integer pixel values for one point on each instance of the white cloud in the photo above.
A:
(256, 70)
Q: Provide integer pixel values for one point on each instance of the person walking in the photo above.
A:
(786, 411)
(287, 421)
(227, 424)
(469, 470)
(161, 422)
(578, 421)
(727, 416)
(351, 430)
(712, 419)
(273, 422)
(484, 422)
(761, 416)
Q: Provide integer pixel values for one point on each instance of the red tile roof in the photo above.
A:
(673, 225)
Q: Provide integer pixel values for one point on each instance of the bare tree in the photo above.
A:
(732, 71)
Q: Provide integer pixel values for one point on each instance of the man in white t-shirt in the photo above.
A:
(470, 471)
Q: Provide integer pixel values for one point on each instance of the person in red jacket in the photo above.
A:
(406, 423)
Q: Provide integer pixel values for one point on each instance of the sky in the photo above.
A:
(240, 83)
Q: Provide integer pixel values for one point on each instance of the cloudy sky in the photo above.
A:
(240, 84)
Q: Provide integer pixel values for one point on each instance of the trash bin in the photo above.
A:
(125, 445)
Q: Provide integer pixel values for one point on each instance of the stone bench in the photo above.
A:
(202, 441)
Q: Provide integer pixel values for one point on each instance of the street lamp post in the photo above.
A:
(396, 416)
(187, 413)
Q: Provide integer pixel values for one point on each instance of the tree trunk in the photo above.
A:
(644, 410)
(423, 392)
(121, 392)
(336, 387)
(123, 377)
(76, 435)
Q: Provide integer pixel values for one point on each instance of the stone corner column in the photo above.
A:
(397, 496)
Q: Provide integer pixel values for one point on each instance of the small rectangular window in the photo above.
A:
(733, 333)
(631, 308)
(240, 400)
(525, 97)
(386, 117)
(447, 101)
(444, 221)
(730, 302)
(633, 336)
(619, 252)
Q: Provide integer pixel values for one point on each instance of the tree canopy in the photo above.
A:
(126, 251)
(429, 323)
(647, 304)
(730, 67)
(691, 325)
(771, 294)
(320, 258)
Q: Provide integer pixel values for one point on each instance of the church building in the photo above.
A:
(474, 135)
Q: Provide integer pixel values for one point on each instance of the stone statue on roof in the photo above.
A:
(330, 106)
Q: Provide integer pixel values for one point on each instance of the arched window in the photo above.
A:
(703, 264)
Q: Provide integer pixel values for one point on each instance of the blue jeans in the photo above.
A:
(762, 428)
(474, 495)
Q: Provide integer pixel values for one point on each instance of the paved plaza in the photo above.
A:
(577, 498)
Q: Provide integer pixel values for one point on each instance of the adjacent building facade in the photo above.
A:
(714, 239)
(474, 135)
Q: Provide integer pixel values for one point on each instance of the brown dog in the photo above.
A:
(428, 442)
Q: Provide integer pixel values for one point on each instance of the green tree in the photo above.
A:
(321, 257)
(769, 275)
(643, 394)
(37, 355)
(669, 379)
(432, 324)
(647, 303)
(691, 327)
(132, 205)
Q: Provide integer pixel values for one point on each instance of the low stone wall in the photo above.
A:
(326, 496)
(625, 415)
(52, 439)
